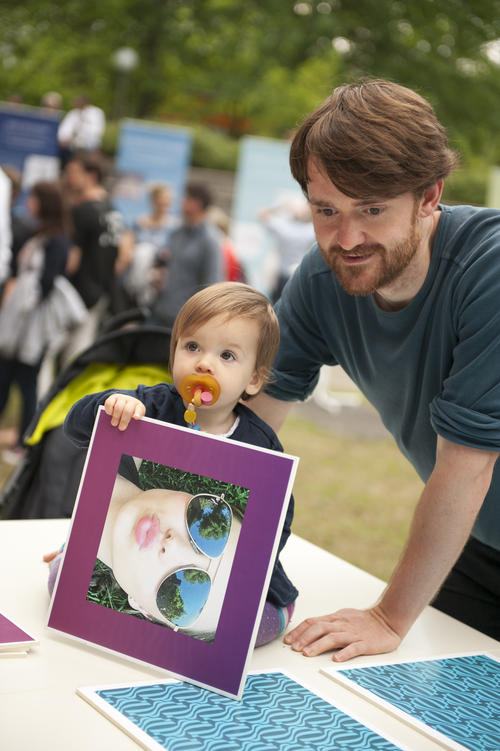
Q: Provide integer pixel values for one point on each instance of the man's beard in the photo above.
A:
(383, 268)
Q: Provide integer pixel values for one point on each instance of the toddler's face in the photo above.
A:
(226, 349)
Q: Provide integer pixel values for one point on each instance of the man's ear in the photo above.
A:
(430, 199)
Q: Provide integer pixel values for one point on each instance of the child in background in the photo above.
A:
(227, 333)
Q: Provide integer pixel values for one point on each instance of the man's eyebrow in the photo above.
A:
(362, 201)
(318, 202)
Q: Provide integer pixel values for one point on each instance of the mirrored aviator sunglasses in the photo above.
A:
(183, 594)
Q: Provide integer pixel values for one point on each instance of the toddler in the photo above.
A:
(222, 347)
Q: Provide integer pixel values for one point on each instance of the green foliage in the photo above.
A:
(255, 67)
(213, 149)
(214, 521)
(467, 185)
(169, 599)
(154, 475)
(104, 590)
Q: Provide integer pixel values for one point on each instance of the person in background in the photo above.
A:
(195, 257)
(95, 262)
(148, 240)
(233, 270)
(51, 100)
(42, 258)
(5, 227)
(402, 292)
(22, 225)
(81, 129)
(290, 223)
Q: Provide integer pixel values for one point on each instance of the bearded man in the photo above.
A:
(402, 292)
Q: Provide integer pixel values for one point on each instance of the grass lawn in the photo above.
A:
(353, 497)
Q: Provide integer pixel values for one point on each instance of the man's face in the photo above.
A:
(192, 209)
(75, 177)
(368, 243)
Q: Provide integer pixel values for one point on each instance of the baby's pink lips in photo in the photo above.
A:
(147, 530)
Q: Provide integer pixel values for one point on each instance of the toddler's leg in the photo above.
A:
(54, 561)
(273, 622)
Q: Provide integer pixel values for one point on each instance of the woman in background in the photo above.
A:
(41, 259)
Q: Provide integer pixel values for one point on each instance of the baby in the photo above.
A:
(222, 347)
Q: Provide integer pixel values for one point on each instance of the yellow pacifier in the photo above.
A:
(198, 391)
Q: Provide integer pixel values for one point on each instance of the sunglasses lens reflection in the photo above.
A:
(209, 524)
(182, 596)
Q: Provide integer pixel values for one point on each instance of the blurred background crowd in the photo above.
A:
(76, 251)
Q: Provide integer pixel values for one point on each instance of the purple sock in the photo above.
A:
(273, 622)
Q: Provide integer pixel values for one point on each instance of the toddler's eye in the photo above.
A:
(226, 355)
(191, 346)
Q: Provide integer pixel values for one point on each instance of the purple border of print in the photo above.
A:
(11, 633)
(219, 664)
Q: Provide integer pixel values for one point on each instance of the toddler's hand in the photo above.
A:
(123, 408)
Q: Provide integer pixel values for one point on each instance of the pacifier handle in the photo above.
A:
(198, 391)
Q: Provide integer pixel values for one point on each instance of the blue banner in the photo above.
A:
(28, 141)
(263, 180)
(149, 153)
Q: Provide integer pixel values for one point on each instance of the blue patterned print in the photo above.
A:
(457, 696)
(275, 714)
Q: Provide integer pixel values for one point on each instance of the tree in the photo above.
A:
(259, 66)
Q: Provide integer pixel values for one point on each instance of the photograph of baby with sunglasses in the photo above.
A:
(167, 546)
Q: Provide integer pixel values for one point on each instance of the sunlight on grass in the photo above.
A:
(353, 497)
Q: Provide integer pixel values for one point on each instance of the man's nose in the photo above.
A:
(349, 234)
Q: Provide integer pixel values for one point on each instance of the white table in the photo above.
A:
(40, 711)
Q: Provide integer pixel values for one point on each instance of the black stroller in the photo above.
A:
(45, 483)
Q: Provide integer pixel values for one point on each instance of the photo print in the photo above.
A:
(171, 549)
(168, 545)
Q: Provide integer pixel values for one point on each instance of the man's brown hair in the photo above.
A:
(373, 138)
(232, 300)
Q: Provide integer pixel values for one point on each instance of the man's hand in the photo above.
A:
(123, 408)
(351, 632)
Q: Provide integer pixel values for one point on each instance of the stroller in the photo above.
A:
(44, 485)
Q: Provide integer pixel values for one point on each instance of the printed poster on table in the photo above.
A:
(13, 638)
(276, 712)
(172, 545)
(453, 700)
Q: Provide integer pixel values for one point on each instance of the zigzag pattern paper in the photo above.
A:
(275, 714)
(456, 696)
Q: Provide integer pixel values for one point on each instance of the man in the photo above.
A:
(402, 292)
(81, 129)
(98, 228)
(195, 257)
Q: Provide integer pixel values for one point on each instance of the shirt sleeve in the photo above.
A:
(467, 411)
(303, 348)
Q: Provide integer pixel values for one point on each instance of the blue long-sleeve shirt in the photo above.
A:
(431, 368)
